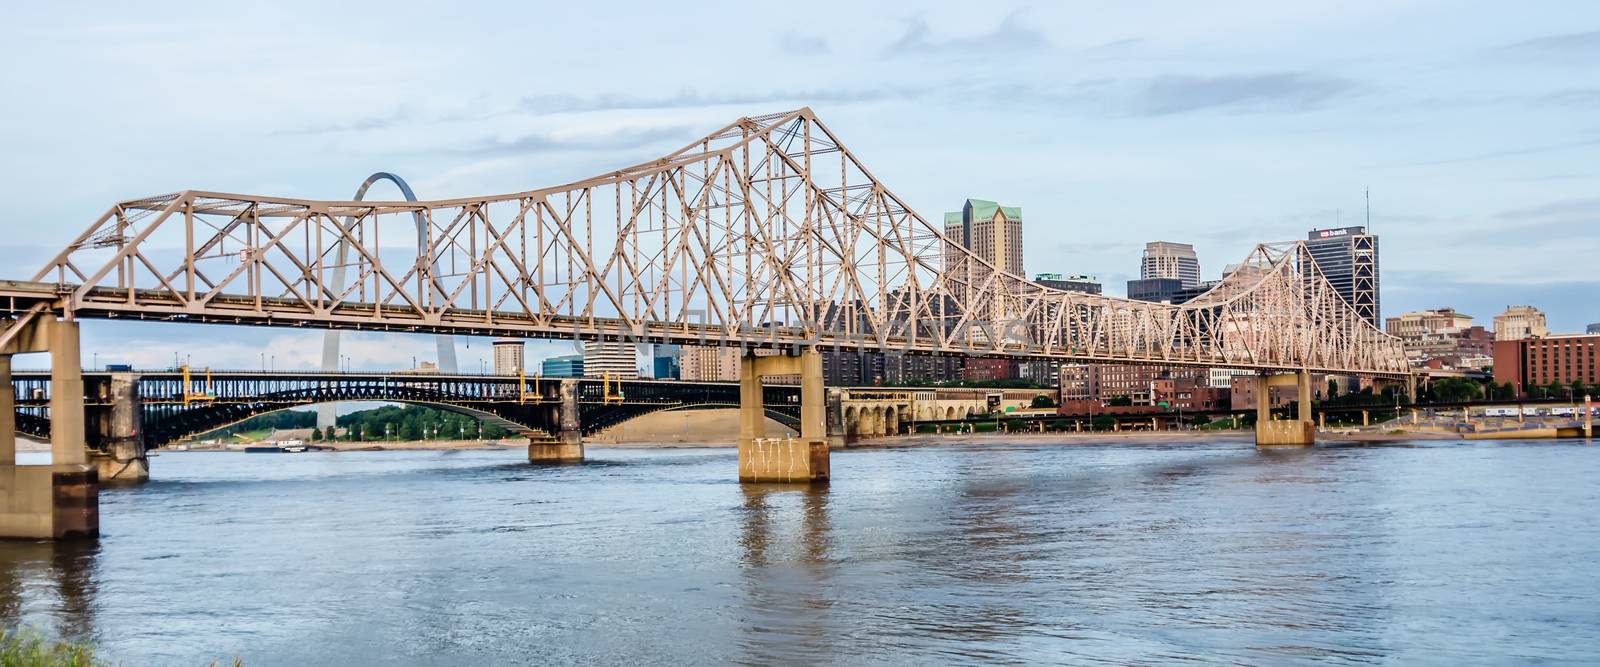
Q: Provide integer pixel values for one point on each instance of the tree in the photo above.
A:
(1104, 422)
(1120, 400)
(316, 435)
(1058, 425)
(1013, 425)
(1043, 401)
(1200, 420)
(329, 434)
(1454, 390)
(1333, 388)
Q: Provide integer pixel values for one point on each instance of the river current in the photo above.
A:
(1104, 553)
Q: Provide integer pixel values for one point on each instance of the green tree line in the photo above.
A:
(388, 422)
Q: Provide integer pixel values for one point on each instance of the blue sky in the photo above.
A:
(1475, 124)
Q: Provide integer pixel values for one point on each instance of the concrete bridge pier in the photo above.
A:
(120, 429)
(1297, 432)
(801, 459)
(567, 446)
(62, 499)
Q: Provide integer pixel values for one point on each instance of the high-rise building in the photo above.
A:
(666, 361)
(617, 359)
(1519, 322)
(853, 368)
(988, 230)
(569, 366)
(912, 368)
(507, 356)
(1164, 259)
(706, 363)
(1348, 258)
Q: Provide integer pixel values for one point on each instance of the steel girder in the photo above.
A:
(767, 232)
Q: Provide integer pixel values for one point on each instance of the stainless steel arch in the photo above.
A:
(327, 412)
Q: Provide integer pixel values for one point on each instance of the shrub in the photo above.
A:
(28, 649)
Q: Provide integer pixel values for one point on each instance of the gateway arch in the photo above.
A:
(326, 412)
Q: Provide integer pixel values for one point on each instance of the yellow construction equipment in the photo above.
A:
(606, 385)
(523, 395)
(189, 396)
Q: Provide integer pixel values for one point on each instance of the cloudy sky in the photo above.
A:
(1476, 125)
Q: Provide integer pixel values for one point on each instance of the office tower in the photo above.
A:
(569, 366)
(1348, 258)
(666, 361)
(990, 231)
(1164, 259)
(507, 356)
(615, 358)
(706, 363)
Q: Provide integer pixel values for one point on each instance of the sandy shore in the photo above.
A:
(1130, 437)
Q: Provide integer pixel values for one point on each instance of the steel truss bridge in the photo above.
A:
(173, 409)
(768, 231)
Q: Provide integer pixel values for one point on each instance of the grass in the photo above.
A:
(25, 648)
(21, 648)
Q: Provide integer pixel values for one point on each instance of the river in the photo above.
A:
(1108, 553)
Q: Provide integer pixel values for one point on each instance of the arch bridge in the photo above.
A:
(129, 412)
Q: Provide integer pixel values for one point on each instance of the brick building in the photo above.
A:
(1530, 363)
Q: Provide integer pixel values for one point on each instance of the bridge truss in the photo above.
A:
(768, 232)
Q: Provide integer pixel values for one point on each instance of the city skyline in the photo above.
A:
(1476, 211)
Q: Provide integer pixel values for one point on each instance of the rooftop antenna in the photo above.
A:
(1369, 210)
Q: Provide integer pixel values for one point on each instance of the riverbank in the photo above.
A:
(376, 446)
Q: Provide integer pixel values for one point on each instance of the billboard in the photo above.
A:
(1334, 233)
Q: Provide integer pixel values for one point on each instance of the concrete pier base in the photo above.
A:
(110, 469)
(763, 459)
(783, 460)
(555, 451)
(49, 502)
(1298, 432)
(1285, 433)
(60, 500)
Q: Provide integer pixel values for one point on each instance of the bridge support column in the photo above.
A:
(1366, 417)
(123, 458)
(8, 414)
(1298, 432)
(801, 459)
(62, 499)
(567, 447)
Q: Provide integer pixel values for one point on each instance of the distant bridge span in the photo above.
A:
(171, 411)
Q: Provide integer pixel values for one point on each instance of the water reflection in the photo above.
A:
(1108, 552)
(786, 539)
(49, 586)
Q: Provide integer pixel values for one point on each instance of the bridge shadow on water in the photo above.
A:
(64, 605)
